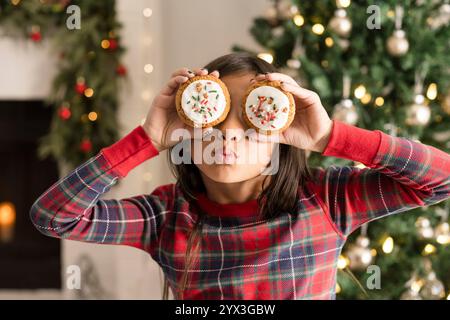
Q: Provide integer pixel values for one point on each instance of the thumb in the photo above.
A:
(305, 97)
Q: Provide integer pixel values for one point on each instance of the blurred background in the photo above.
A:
(77, 75)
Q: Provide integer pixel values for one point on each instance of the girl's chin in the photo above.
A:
(228, 174)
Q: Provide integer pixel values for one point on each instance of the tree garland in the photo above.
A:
(84, 95)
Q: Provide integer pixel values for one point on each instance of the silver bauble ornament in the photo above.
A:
(397, 44)
(345, 111)
(433, 288)
(277, 31)
(340, 23)
(441, 19)
(359, 254)
(418, 114)
(293, 63)
(423, 228)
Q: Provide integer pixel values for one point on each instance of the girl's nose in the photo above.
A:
(232, 131)
(232, 128)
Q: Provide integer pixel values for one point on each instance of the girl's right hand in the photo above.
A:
(162, 118)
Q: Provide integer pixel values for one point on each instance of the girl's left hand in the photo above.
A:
(311, 127)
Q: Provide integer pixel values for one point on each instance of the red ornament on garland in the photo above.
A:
(80, 87)
(113, 44)
(121, 70)
(86, 145)
(64, 113)
(36, 36)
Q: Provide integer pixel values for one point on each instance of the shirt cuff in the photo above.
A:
(130, 151)
(353, 143)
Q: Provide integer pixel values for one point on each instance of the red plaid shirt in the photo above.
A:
(292, 256)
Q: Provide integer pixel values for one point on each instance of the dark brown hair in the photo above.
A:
(280, 195)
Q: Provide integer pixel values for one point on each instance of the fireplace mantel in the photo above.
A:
(27, 69)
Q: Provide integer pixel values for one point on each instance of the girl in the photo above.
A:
(226, 231)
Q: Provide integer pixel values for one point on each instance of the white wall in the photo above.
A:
(184, 33)
(197, 31)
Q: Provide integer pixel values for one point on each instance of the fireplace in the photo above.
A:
(28, 260)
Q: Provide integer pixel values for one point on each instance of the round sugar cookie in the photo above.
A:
(203, 101)
(268, 108)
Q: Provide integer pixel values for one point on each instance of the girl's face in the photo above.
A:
(238, 155)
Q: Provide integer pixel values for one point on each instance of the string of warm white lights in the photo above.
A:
(147, 68)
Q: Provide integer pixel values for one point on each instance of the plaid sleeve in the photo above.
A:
(400, 175)
(72, 208)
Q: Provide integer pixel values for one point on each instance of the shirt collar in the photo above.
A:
(245, 209)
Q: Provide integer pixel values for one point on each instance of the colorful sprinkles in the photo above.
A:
(266, 110)
(202, 101)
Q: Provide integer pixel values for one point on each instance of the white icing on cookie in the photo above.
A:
(203, 101)
(267, 108)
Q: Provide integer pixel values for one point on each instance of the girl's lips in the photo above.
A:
(226, 157)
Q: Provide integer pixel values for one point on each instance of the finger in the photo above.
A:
(215, 73)
(260, 77)
(306, 97)
(280, 77)
(173, 85)
(183, 72)
(201, 72)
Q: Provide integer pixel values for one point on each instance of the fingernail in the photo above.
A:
(204, 69)
(190, 72)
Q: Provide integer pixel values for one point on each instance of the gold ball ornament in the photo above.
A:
(345, 111)
(442, 233)
(418, 114)
(446, 103)
(413, 286)
(359, 253)
(397, 44)
(340, 23)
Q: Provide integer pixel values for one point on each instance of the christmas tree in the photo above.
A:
(85, 38)
(379, 65)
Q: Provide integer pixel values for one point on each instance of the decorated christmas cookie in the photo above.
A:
(268, 108)
(203, 101)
